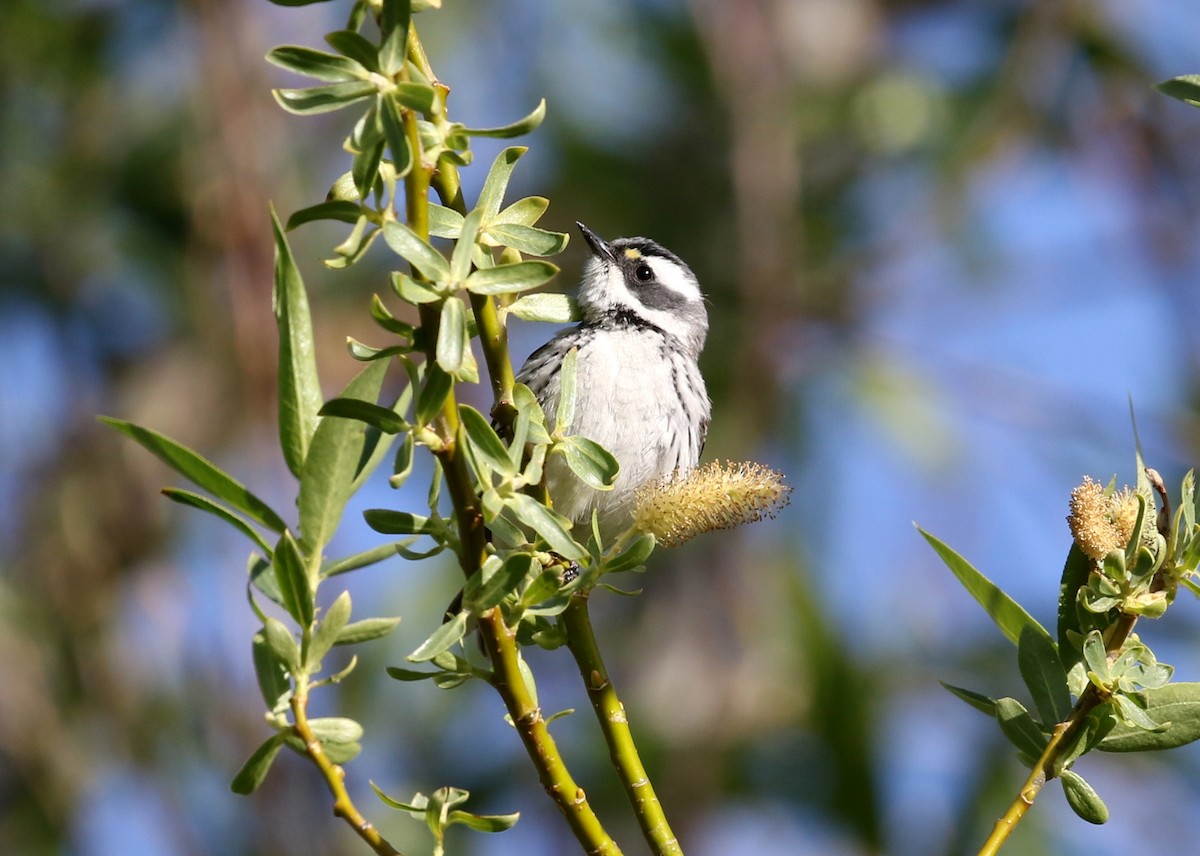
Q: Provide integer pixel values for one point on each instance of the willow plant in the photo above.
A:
(527, 573)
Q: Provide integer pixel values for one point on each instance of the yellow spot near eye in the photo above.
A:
(631, 253)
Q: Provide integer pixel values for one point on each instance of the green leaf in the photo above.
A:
(633, 556)
(393, 25)
(333, 463)
(412, 291)
(1008, 615)
(483, 822)
(366, 630)
(318, 64)
(336, 729)
(359, 560)
(1186, 88)
(419, 97)
(342, 210)
(294, 582)
(322, 99)
(553, 528)
(529, 239)
(448, 634)
(200, 471)
(460, 259)
(1082, 798)
(271, 672)
(497, 179)
(589, 461)
(299, 386)
(1018, 726)
(1044, 675)
(195, 500)
(1074, 577)
(485, 442)
(502, 582)
(523, 212)
(365, 169)
(979, 701)
(564, 413)
(262, 577)
(393, 132)
(433, 394)
(516, 129)
(506, 279)
(255, 769)
(356, 47)
(329, 630)
(416, 251)
(1176, 705)
(452, 336)
(375, 415)
(391, 522)
(550, 308)
(444, 222)
(282, 643)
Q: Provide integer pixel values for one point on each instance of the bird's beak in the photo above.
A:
(600, 247)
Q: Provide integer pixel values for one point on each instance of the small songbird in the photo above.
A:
(638, 388)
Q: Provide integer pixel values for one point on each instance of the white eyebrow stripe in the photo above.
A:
(673, 278)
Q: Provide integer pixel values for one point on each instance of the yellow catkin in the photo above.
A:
(714, 496)
(1101, 522)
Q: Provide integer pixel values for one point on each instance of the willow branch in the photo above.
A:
(614, 722)
(334, 776)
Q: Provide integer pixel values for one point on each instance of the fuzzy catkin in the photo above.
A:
(714, 496)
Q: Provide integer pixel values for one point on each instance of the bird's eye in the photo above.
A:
(643, 273)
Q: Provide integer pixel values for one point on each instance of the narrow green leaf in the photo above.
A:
(412, 291)
(375, 415)
(342, 210)
(452, 336)
(979, 701)
(1075, 574)
(1044, 675)
(1018, 726)
(496, 182)
(262, 577)
(516, 129)
(1008, 615)
(591, 462)
(444, 222)
(504, 581)
(633, 556)
(359, 560)
(418, 97)
(200, 471)
(460, 259)
(393, 25)
(553, 528)
(322, 99)
(564, 413)
(416, 807)
(391, 522)
(365, 169)
(1186, 88)
(550, 308)
(507, 279)
(366, 630)
(255, 769)
(293, 579)
(318, 64)
(484, 440)
(282, 643)
(529, 239)
(329, 630)
(195, 500)
(1083, 799)
(271, 672)
(484, 822)
(356, 47)
(1175, 705)
(523, 212)
(336, 729)
(433, 394)
(333, 463)
(393, 132)
(416, 251)
(448, 634)
(299, 386)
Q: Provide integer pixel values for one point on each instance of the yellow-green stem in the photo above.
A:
(614, 722)
(1063, 736)
(334, 776)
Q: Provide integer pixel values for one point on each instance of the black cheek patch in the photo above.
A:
(654, 296)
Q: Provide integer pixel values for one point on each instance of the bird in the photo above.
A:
(639, 391)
